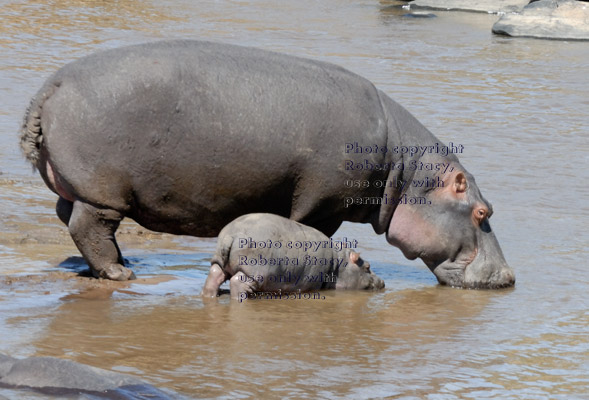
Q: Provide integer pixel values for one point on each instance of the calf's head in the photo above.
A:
(356, 274)
(448, 228)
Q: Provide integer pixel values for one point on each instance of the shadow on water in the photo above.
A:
(157, 263)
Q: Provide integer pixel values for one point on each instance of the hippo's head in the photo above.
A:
(356, 274)
(447, 225)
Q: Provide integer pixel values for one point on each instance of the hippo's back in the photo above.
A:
(184, 136)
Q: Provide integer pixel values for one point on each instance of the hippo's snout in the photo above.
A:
(376, 282)
(488, 270)
(505, 278)
(481, 267)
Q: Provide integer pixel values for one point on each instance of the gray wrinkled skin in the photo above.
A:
(185, 136)
(294, 270)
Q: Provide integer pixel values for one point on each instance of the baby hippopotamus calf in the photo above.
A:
(269, 253)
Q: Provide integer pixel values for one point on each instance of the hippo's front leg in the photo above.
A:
(93, 231)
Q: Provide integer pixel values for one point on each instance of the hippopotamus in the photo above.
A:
(184, 136)
(268, 253)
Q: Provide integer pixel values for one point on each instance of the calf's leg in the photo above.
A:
(214, 280)
(239, 284)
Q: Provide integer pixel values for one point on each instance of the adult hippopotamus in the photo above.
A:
(268, 253)
(184, 136)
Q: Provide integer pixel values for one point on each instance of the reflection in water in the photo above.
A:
(518, 107)
(236, 346)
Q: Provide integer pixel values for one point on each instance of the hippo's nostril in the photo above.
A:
(504, 278)
(508, 277)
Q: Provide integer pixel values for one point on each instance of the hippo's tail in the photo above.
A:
(224, 244)
(31, 134)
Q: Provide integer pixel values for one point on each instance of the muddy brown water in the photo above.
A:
(519, 107)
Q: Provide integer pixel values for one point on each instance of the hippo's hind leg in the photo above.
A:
(215, 279)
(93, 231)
(241, 286)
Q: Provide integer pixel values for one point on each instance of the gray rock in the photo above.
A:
(62, 376)
(487, 6)
(6, 363)
(548, 19)
(38, 372)
(419, 14)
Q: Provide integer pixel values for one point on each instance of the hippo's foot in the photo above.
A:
(239, 284)
(115, 272)
(214, 280)
(93, 231)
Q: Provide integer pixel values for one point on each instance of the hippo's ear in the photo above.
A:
(459, 185)
(354, 257)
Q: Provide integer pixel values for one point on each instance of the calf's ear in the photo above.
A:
(354, 257)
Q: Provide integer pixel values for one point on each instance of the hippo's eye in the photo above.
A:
(480, 214)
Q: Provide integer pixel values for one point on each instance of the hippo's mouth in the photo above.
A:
(499, 280)
(451, 275)
(472, 274)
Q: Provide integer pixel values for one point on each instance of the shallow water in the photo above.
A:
(518, 106)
